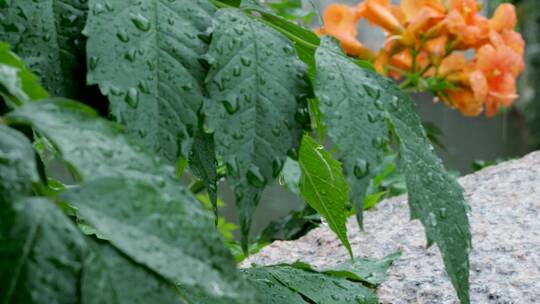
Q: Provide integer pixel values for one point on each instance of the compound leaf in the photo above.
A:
(149, 69)
(257, 87)
(435, 197)
(353, 117)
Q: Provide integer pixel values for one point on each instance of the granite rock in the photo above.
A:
(505, 260)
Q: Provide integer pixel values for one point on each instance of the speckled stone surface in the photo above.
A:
(505, 260)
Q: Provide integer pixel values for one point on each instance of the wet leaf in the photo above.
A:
(354, 123)
(47, 35)
(322, 288)
(96, 149)
(323, 187)
(41, 254)
(111, 277)
(270, 290)
(257, 88)
(18, 169)
(160, 232)
(149, 69)
(435, 197)
(371, 271)
(202, 161)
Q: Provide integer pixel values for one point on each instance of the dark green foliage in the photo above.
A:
(203, 164)
(111, 277)
(435, 198)
(165, 65)
(149, 69)
(320, 288)
(157, 231)
(292, 226)
(369, 271)
(96, 149)
(18, 168)
(47, 35)
(41, 254)
(256, 108)
(353, 116)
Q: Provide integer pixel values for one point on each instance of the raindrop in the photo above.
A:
(379, 105)
(232, 166)
(442, 213)
(302, 116)
(371, 117)
(231, 107)
(372, 92)
(237, 71)
(122, 35)
(131, 55)
(98, 8)
(116, 91)
(361, 168)
(245, 61)
(238, 135)
(93, 62)
(277, 164)
(255, 178)
(132, 97)
(187, 87)
(276, 131)
(378, 142)
(394, 103)
(140, 22)
(143, 86)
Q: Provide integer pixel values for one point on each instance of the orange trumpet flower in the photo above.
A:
(340, 22)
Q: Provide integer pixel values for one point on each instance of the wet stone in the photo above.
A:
(505, 260)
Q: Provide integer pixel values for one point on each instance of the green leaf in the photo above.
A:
(353, 117)
(41, 254)
(292, 226)
(161, 232)
(290, 176)
(305, 40)
(17, 84)
(257, 86)
(321, 288)
(435, 197)
(111, 277)
(47, 35)
(324, 188)
(18, 169)
(149, 69)
(370, 271)
(270, 290)
(96, 149)
(203, 164)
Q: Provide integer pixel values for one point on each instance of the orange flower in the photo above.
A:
(464, 22)
(383, 14)
(504, 18)
(464, 100)
(495, 79)
(411, 8)
(340, 21)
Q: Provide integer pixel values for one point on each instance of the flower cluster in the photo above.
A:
(444, 46)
